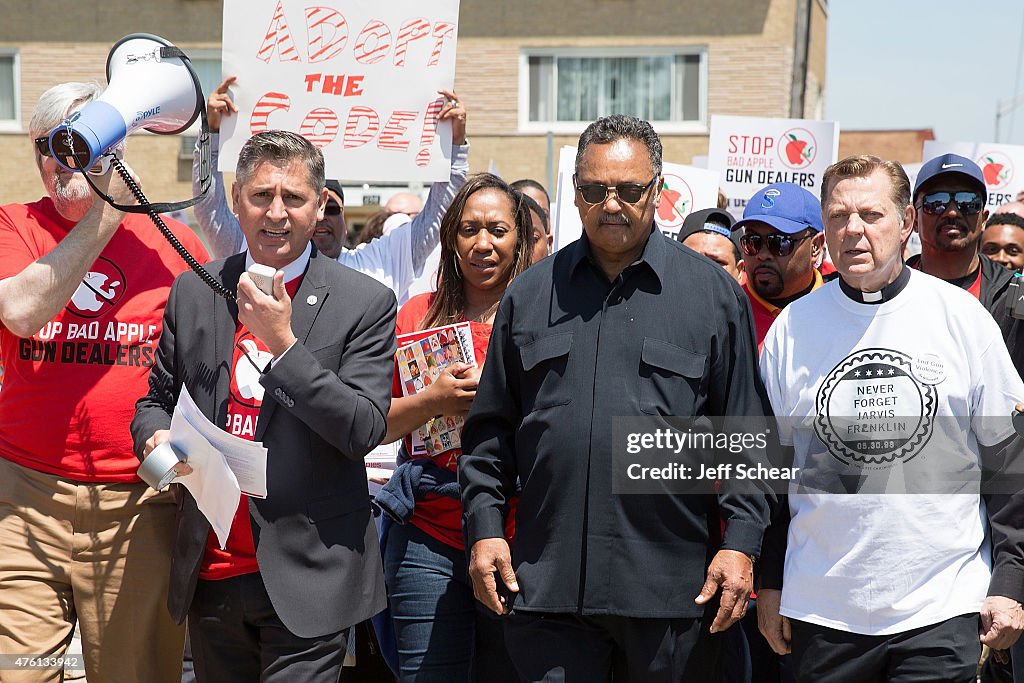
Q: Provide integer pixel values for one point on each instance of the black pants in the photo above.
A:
(948, 651)
(557, 648)
(236, 635)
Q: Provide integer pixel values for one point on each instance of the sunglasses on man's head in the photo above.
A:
(778, 244)
(596, 193)
(332, 209)
(968, 203)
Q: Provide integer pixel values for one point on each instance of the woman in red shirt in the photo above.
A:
(441, 634)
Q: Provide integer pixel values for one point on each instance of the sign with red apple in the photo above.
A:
(797, 148)
(997, 168)
(999, 165)
(752, 152)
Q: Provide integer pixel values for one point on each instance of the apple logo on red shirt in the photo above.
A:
(100, 290)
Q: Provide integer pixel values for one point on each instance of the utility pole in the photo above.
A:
(1004, 107)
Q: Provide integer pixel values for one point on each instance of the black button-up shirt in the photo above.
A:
(672, 335)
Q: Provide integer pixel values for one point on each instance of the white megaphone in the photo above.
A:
(151, 85)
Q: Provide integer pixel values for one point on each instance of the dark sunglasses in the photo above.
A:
(596, 193)
(968, 203)
(778, 244)
(332, 209)
(68, 154)
(43, 146)
(63, 150)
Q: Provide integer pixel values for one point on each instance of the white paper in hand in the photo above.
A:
(211, 483)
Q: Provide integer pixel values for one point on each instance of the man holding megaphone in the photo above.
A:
(82, 290)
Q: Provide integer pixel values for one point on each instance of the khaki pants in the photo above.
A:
(98, 553)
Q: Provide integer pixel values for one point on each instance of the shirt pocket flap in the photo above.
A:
(334, 506)
(674, 359)
(545, 348)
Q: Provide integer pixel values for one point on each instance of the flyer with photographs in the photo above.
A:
(421, 357)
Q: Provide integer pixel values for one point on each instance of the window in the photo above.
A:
(9, 101)
(563, 90)
(206, 63)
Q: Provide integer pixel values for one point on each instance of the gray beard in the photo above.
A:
(68, 192)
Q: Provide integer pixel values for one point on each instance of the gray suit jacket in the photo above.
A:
(324, 408)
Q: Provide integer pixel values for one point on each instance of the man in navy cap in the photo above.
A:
(709, 233)
(949, 199)
(782, 240)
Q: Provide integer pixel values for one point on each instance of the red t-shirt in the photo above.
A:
(438, 516)
(69, 391)
(974, 287)
(245, 396)
(765, 313)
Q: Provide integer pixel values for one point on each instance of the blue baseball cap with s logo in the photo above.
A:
(786, 207)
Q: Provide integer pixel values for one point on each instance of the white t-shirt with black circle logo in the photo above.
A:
(890, 400)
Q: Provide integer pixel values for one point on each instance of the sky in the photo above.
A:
(939, 64)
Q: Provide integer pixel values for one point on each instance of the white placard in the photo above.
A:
(752, 152)
(565, 217)
(358, 79)
(1002, 165)
(684, 189)
(912, 170)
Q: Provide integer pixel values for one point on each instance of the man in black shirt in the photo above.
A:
(622, 322)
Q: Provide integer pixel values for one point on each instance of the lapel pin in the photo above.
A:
(311, 300)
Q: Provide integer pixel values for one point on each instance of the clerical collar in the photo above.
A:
(887, 293)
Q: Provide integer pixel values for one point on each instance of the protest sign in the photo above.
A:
(359, 80)
(565, 218)
(684, 189)
(753, 152)
(1002, 165)
(912, 170)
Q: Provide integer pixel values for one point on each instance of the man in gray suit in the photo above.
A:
(306, 370)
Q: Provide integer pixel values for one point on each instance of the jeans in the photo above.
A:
(443, 634)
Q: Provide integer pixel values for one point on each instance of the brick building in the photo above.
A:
(533, 72)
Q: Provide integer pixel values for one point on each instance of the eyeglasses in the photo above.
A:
(70, 154)
(596, 193)
(43, 146)
(332, 209)
(968, 203)
(778, 244)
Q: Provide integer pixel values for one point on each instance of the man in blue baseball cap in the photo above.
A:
(782, 240)
(949, 200)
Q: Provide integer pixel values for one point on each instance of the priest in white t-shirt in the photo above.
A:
(895, 560)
